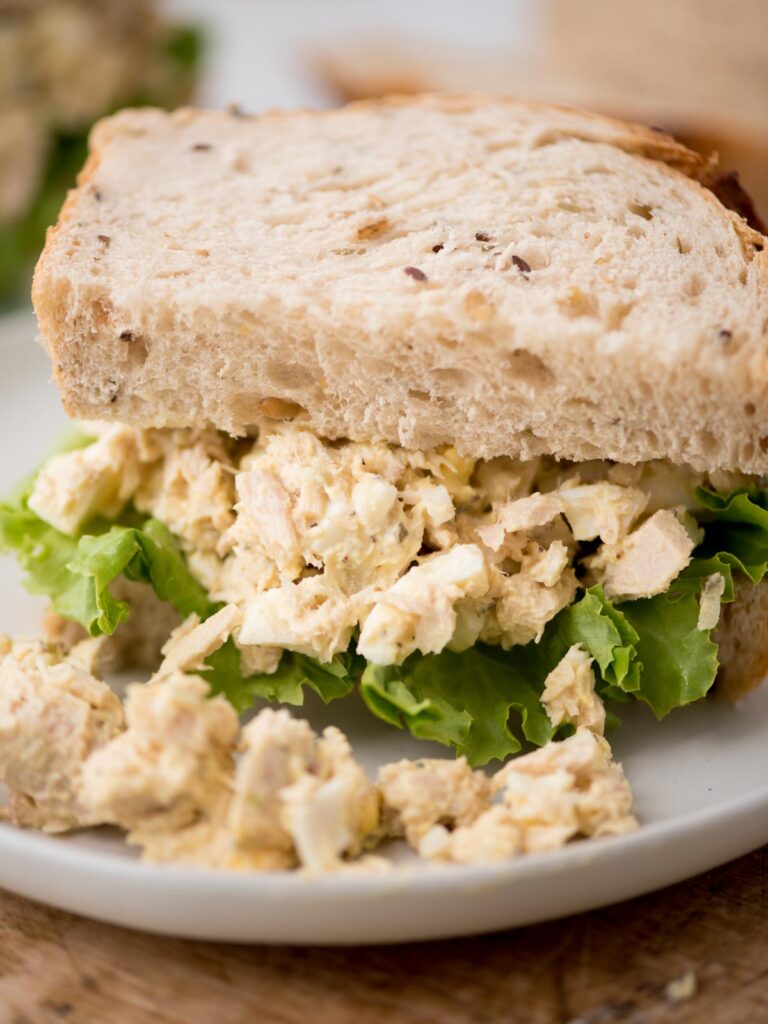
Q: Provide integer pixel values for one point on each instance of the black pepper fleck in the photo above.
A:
(104, 239)
(521, 264)
(725, 335)
(97, 195)
(235, 110)
(482, 237)
(126, 335)
(438, 248)
(415, 273)
(202, 147)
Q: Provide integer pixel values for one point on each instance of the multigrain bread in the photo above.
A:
(742, 639)
(508, 277)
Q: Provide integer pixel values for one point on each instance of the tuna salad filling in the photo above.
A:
(477, 603)
(173, 767)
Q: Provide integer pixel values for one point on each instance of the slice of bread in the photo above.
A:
(742, 640)
(507, 277)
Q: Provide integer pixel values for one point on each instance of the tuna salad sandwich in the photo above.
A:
(455, 406)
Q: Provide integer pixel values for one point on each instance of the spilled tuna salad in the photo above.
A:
(490, 606)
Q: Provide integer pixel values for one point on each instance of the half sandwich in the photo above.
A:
(460, 401)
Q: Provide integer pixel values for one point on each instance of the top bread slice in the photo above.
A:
(507, 277)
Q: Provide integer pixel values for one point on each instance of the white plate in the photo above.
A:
(700, 780)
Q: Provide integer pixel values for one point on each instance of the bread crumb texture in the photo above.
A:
(510, 278)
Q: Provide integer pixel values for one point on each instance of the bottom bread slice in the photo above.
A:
(742, 636)
(137, 642)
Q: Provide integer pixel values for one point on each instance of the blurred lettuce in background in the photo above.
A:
(63, 65)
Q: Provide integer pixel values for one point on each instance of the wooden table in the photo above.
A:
(607, 967)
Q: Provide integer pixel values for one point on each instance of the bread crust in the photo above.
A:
(636, 332)
(742, 638)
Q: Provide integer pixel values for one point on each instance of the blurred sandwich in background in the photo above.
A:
(63, 65)
(697, 68)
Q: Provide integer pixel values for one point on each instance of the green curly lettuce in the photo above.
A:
(736, 529)
(143, 554)
(76, 572)
(651, 650)
(464, 700)
(330, 680)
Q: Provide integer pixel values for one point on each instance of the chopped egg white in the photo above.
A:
(710, 602)
(419, 611)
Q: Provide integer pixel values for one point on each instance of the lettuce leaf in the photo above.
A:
(43, 554)
(462, 699)
(285, 686)
(679, 660)
(76, 573)
(692, 578)
(330, 680)
(736, 529)
(605, 633)
(650, 649)
(466, 699)
(146, 554)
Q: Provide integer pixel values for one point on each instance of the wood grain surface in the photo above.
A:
(635, 963)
